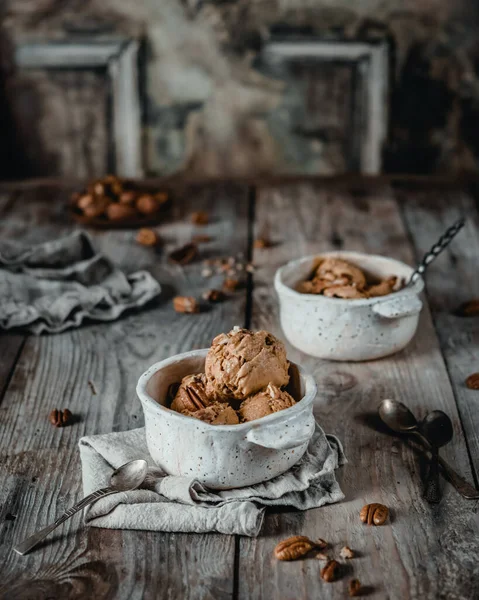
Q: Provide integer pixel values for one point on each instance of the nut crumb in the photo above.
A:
(200, 217)
(322, 556)
(92, 387)
(186, 304)
(346, 552)
(147, 237)
(262, 242)
(184, 255)
(230, 284)
(214, 296)
(250, 268)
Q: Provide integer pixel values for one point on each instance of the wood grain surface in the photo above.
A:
(40, 476)
(423, 552)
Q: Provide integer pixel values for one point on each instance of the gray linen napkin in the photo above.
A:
(54, 286)
(169, 503)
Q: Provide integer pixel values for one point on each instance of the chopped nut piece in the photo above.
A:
(120, 212)
(472, 381)
(374, 514)
(321, 544)
(262, 242)
(200, 218)
(186, 304)
(214, 296)
(147, 205)
(346, 552)
(92, 387)
(147, 237)
(201, 239)
(293, 548)
(469, 309)
(230, 284)
(60, 418)
(184, 255)
(354, 588)
(330, 571)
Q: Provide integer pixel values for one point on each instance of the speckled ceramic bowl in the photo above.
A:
(354, 330)
(223, 456)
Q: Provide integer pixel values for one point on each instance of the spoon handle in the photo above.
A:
(462, 486)
(37, 537)
(433, 491)
(444, 241)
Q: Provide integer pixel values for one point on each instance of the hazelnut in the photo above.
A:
(147, 205)
(127, 197)
(84, 201)
(96, 209)
(120, 212)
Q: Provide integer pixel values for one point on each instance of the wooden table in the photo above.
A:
(425, 552)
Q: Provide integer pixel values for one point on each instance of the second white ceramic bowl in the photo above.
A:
(222, 456)
(354, 330)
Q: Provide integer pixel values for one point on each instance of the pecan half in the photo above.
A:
(184, 255)
(374, 514)
(186, 304)
(60, 418)
(293, 548)
(472, 381)
(330, 571)
(354, 588)
(469, 309)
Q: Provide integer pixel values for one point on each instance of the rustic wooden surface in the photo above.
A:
(425, 552)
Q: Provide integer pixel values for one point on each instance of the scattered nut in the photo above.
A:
(120, 212)
(374, 514)
(354, 588)
(200, 218)
(293, 548)
(96, 208)
(147, 205)
(184, 255)
(186, 304)
(147, 237)
(330, 571)
(469, 309)
(161, 197)
(472, 381)
(262, 242)
(214, 296)
(346, 552)
(250, 268)
(230, 284)
(201, 239)
(60, 418)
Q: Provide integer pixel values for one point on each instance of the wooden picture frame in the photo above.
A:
(118, 57)
(369, 110)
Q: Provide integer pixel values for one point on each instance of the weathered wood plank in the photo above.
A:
(425, 551)
(450, 281)
(41, 474)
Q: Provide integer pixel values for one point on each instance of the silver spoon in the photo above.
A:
(128, 477)
(400, 419)
(442, 243)
(437, 427)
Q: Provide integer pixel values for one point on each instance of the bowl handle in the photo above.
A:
(282, 438)
(397, 308)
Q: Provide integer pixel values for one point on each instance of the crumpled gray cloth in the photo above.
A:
(181, 504)
(54, 286)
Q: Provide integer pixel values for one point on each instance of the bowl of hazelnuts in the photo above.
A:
(114, 202)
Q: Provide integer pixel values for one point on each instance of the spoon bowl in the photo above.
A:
(437, 427)
(129, 476)
(397, 416)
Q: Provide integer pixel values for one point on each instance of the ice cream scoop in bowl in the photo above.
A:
(223, 456)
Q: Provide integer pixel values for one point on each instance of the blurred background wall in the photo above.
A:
(238, 87)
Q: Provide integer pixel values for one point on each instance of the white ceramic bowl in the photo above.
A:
(354, 330)
(222, 456)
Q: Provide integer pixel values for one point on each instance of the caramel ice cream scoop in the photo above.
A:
(217, 413)
(242, 362)
(264, 403)
(191, 394)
